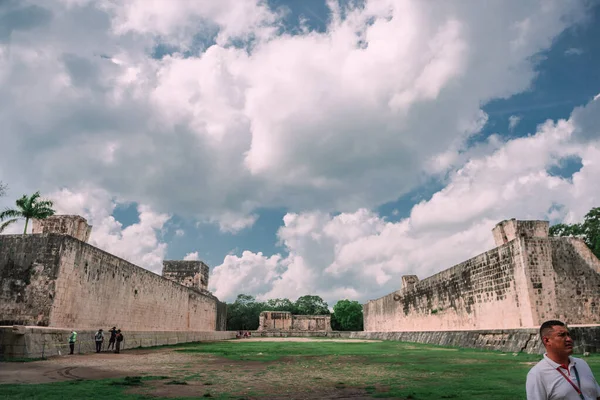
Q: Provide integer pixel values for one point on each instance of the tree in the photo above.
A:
(3, 188)
(589, 230)
(311, 305)
(347, 316)
(280, 305)
(243, 313)
(28, 207)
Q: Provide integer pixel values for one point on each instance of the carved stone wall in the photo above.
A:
(285, 321)
(193, 274)
(57, 281)
(73, 225)
(528, 279)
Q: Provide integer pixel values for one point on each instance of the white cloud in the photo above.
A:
(138, 243)
(281, 122)
(191, 256)
(233, 222)
(513, 121)
(361, 256)
(179, 232)
(179, 21)
(573, 51)
(340, 120)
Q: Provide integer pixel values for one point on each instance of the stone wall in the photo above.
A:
(512, 229)
(72, 225)
(275, 321)
(55, 280)
(40, 342)
(193, 274)
(27, 278)
(586, 338)
(285, 321)
(311, 323)
(475, 294)
(527, 280)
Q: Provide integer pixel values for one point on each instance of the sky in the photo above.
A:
(301, 147)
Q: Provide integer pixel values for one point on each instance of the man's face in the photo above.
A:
(559, 340)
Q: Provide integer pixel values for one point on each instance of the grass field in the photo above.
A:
(322, 369)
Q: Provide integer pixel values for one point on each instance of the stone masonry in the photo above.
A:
(527, 279)
(285, 321)
(193, 274)
(56, 280)
(72, 225)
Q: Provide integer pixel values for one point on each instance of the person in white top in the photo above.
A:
(558, 376)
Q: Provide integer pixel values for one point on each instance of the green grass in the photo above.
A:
(379, 369)
(413, 370)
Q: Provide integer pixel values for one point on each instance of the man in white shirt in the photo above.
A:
(558, 376)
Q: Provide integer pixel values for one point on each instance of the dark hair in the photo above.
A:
(548, 325)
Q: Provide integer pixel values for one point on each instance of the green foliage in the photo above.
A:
(311, 305)
(28, 207)
(347, 316)
(3, 188)
(280, 305)
(589, 230)
(244, 312)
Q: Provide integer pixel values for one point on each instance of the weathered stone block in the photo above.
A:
(285, 321)
(72, 225)
(193, 274)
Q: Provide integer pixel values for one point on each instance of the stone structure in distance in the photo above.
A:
(284, 321)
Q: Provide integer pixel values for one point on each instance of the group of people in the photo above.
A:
(243, 334)
(114, 341)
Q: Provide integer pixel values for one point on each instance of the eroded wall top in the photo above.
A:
(72, 225)
(511, 229)
(193, 274)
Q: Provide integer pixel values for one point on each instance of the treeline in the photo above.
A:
(244, 312)
(588, 230)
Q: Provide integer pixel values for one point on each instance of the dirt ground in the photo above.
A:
(187, 374)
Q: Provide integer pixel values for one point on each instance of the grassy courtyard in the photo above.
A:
(323, 369)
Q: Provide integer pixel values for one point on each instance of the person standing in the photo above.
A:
(113, 335)
(72, 340)
(558, 376)
(99, 337)
(119, 339)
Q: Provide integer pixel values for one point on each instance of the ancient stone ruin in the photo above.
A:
(72, 225)
(527, 279)
(193, 274)
(284, 321)
(53, 278)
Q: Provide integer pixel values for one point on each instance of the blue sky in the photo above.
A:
(329, 157)
(566, 79)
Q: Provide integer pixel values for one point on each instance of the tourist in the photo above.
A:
(113, 335)
(72, 340)
(119, 338)
(558, 375)
(99, 337)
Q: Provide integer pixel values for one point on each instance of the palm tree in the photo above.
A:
(28, 207)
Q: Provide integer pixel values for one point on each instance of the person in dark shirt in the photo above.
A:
(113, 336)
(119, 338)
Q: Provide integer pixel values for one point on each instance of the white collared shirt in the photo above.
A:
(544, 382)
